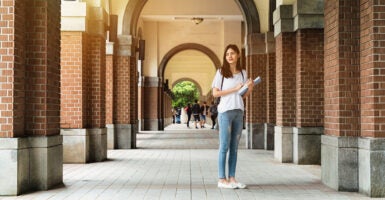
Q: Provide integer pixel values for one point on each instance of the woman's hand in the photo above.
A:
(237, 87)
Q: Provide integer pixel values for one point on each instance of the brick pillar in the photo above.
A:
(30, 145)
(285, 43)
(83, 79)
(339, 154)
(151, 98)
(309, 84)
(270, 92)
(110, 62)
(371, 144)
(125, 95)
(257, 101)
(96, 112)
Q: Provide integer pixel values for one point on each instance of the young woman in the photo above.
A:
(227, 81)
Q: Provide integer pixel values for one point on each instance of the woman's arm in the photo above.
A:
(250, 85)
(218, 93)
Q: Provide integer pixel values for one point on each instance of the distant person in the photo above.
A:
(204, 113)
(173, 112)
(196, 112)
(227, 81)
(189, 112)
(213, 113)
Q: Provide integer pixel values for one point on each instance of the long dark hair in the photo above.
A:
(225, 70)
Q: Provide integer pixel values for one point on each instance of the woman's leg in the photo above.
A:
(236, 132)
(224, 138)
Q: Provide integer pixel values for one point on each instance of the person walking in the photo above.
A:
(196, 109)
(204, 113)
(188, 111)
(213, 113)
(227, 81)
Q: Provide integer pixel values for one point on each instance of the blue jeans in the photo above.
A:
(230, 130)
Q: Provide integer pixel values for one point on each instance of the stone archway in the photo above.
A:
(134, 8)
(188, 79)
(187, 46)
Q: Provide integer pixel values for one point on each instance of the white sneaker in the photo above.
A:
(238, 185)
(226, 185)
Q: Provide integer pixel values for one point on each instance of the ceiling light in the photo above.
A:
(197, 20)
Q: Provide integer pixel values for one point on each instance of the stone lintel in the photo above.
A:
(124, 45)
(74, 16)
(283, 19)
(109, 48)
(308, 14)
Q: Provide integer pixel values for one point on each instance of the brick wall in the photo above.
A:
(73, 80)
(372, 63)
(309, 78)
(43, 67)
(342, 117)
(285, 44)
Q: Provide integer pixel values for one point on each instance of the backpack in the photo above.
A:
(195, 109)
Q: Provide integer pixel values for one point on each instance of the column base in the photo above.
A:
(98, 144)
(76, 145)
(339, 162)
(151, 124)
(84, 145)
(111, 137)
(32, 163)
(255, 136)
(269, 137)
(307, 145)
(371, 159)
(283, 144)
(126, 135)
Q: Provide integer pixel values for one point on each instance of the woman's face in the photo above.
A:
(231, 56)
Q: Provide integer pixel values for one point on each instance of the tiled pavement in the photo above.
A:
(181, 163)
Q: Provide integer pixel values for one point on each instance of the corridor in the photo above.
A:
(182, 164)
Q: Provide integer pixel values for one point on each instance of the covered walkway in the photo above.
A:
(182, 164)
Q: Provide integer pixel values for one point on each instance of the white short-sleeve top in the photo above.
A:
(230, 101)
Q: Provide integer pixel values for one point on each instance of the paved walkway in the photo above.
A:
(181, 163)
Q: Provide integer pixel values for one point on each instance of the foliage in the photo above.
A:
(185, 92)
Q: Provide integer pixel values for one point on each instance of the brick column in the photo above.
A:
(308, 24)
(285, 43)
(257, 101)
(110, 58)
(309, 115)
(371, 144)
(125, 95)
(270, 92)
(83, 79)
(30, 145)
(339, 154)
(151, 98)
(96, 112)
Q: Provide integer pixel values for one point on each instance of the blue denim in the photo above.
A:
(230, 130)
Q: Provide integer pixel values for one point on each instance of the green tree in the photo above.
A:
(184, 92)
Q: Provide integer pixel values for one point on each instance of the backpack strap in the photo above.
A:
(243, 78)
